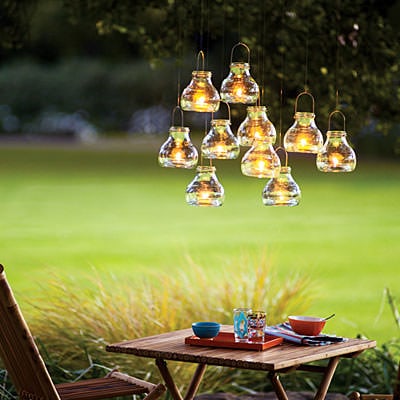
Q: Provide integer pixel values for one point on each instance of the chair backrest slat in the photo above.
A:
(396, 391)
(18, 350)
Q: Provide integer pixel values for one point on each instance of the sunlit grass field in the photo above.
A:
(69, 210)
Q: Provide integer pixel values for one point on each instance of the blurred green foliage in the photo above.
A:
(346, 53)
(350, 46)
(107, 92)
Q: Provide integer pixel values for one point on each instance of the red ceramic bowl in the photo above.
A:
(310, 326)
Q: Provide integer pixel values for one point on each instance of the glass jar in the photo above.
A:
(261, 160)
(282, 190)
(178, 151)
(336, 154)
(303, 136)
(220, 142)
(205, 189)
(200, 95)
(256, 126)
(239, 86)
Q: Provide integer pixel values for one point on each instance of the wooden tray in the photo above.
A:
(227, 339)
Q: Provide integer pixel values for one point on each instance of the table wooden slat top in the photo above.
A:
(171, 346)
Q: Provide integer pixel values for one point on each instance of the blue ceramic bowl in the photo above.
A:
(206, 330)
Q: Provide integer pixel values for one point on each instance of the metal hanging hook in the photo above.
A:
(229, 111)
(245, 46)
(176, 108)
(285, 152)
(200, 54)
(302, 94)
(260, 96)
(330, 116)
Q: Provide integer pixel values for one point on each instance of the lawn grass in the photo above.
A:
(69, 210)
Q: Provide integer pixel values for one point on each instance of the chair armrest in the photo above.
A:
(154, 391)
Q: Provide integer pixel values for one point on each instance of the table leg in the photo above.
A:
(195, 382)
(326, 380)
(329, 371)
(277, 385)
(170, 384)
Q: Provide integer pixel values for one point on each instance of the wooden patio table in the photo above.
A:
(283, 358)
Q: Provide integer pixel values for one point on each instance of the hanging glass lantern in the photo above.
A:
(220, 142)
(239, 86)
(261, 160)
(205, 189)
(256, 126)
(336, 154)
(303, 136)
(282, 190)
(178, 151)
(200, 95)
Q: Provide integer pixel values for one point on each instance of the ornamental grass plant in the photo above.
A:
(73, 327)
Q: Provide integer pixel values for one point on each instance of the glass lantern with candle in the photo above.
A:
(255, 126)
(336, 154)
(239, 86)
(282, 190)
(303, 136)
(205, 190)
(220, 142)
(200, 95)
(261, 160)
(178, 151)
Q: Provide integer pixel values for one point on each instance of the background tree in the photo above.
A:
(349, 47)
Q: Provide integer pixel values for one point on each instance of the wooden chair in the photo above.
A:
(394, 396)
(28, 372)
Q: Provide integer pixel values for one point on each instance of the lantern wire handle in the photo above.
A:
(245, 46)
(229, 111)
(260, 96)
(176, 108)
(200, 54)
(330, 116)
(301, 94)
(285, 152)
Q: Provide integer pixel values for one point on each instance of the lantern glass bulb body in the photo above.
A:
(336, 154)
(282, 190)
(220, 142)
(303, 136)
(256, 126)
(178, 151)
(261, 160)
(239, 86)
(200, 95)
(205, 190)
